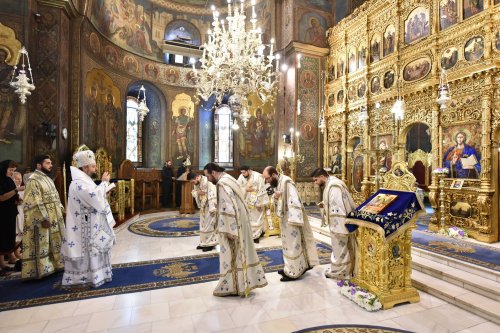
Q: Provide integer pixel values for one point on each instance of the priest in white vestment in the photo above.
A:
(299, 246)
(253, 187)
(89, 232)
(205, 195)
(240, 269)
(337, 203)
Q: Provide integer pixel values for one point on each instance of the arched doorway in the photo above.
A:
(418, 154)
(151, 142)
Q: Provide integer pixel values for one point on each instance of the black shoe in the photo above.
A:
(281, 272)
(199, 247)
(285, 278)
(208, 248)
(256, 241)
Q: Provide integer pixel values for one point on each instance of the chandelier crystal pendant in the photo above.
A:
(234, 60)
(443, 91)
(399, 107)
(21, 82)
(142, 108)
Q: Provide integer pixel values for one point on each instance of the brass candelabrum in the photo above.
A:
(441, 174)
(288, 163)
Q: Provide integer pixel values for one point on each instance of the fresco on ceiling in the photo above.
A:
(139, 27)
(324, 5)
(183, 31)
(312, 27)
(127, 24)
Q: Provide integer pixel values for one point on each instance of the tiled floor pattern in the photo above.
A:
(279, 307)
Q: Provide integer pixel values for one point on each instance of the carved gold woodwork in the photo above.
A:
(474, 86)
(384, 264)
(399, 178)
(9, 44)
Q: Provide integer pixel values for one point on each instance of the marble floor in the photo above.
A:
(279, 307)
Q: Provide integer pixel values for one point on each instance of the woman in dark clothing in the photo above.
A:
(178, 187)
(167, 174)
(8, 211)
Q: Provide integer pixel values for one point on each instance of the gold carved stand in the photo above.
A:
(384, 264)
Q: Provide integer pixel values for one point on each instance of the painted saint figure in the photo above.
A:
(459, 159)
(181, 126)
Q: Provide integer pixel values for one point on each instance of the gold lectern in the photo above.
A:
(383, 253)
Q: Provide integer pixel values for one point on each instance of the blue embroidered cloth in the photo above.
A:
(395, 215)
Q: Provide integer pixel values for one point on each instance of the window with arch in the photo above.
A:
(134, 132)
(223, 136)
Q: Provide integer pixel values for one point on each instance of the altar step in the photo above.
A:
(468, 286)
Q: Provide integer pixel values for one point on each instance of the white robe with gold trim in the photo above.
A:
(337, 203)
(256, 201)
(240, 269)
(89, 234)
(299, 246)
(207, 203)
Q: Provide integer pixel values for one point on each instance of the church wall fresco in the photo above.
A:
(418, 40)
(256, 141)
(308, 83)
(139, 26)
(312, 26)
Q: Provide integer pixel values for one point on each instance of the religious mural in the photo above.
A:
(256, 140)
(183, 127)
(472, 7)
(375, 85)
(307, 121)
(461, 145)
(416, 69)
(104, 119)
(311, 29)
(331, 100)
(340, 97)
(352, 60)
(140, 26)
(127, 24)
(324, 5)
(388, 79)
(357, 174)
(12, 112)
(497, 40)
(340, 66)
(383, 144)
(449, 58)
(361, 89)
(362, 57)
(448, 12)
(474, 49)
(417, 25)
(389, 40)
(375, 48)
(335, 157)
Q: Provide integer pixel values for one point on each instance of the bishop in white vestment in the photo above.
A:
(253, 187)
(205, 195)
(337, 203)
(89, 232)
(240, 269)
(299, 247)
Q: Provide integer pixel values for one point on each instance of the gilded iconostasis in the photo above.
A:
(402, 56)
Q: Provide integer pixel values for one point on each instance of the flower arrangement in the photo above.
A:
(441, 171)
(456, 232)
(360, 296)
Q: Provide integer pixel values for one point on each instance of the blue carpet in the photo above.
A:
(174, 226)
(422, 238)
(133, 277)
(352, 328)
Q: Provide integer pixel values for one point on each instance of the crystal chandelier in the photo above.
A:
(234, 60)
(443, 91)
(21, 82)
(142, 108)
